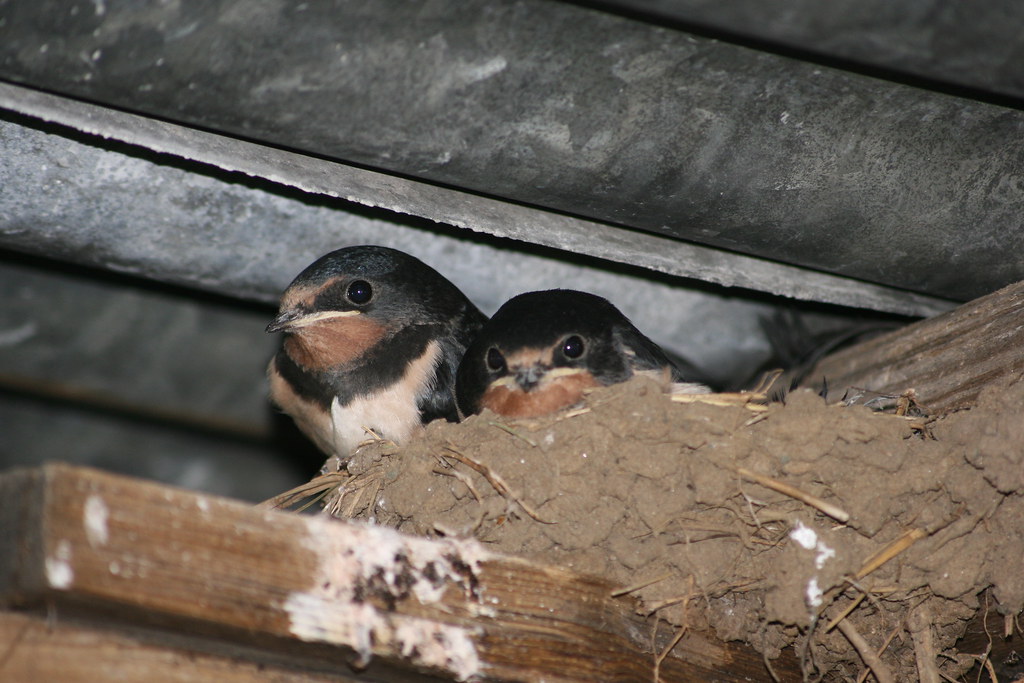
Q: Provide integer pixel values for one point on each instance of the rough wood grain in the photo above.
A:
(947, 359)
(35, 649)
(326, 591)
(995, 637)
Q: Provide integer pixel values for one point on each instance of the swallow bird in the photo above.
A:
(372, 341)
(541, 350)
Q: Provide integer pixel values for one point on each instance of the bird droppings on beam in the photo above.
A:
(370, 566)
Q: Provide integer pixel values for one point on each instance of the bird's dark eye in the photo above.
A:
(359, 292)
(495, 361)
(573, 347)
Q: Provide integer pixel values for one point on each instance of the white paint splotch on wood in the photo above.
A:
(374, 564)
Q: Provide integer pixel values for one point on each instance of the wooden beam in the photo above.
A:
(324, 591)
(947, 359)
(994, 637)
(35, 648)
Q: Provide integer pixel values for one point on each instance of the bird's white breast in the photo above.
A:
(391, 413)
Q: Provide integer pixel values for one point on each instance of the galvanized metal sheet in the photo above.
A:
(574, 110)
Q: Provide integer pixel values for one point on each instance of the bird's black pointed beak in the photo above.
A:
(283, 321)
(294, 318)
(529, 377)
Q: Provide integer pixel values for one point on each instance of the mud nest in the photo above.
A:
(798, 524)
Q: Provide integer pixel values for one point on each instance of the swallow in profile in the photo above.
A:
(372, 341)
(541, 350)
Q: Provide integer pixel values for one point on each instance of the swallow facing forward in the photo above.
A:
(541, 350)
(372, 340)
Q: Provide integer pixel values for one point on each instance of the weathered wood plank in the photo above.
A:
(995, 637)
(35, 649)
(330, 591)
(947, 359)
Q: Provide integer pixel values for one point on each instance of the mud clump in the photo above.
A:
(923, 515)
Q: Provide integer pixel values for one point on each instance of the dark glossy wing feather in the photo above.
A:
(439, 401)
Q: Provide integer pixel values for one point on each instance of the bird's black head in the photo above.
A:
(541, 350)
(347, 300)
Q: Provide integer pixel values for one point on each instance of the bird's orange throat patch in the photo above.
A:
(505, 398)
(332, 342)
